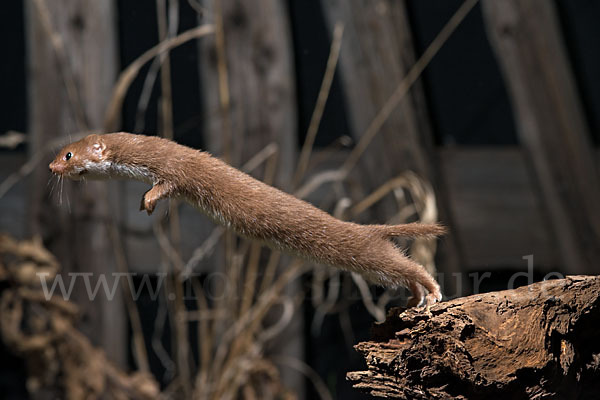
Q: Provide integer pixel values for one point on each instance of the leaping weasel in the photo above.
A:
(251, 208)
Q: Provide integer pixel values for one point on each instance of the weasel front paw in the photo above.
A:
(147, 205)
(152, 196)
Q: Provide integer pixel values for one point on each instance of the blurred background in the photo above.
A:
(484, 115)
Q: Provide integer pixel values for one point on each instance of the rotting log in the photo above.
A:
(538, 341)
(40, 329)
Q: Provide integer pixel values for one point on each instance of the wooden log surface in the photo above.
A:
(539, 341)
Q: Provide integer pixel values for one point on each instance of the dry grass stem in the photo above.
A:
(166, 30)
(326, 305)
(205, 339)
(252, 265)
(129, 74)
(402, 89)
(139, 344)
(198, 7)
(63, 60)
(319, 180)
(38, 157)
(365, 293)
(315, 121)
(222, 73)
(307, 371)
(11, 139)
(270, 270)
(146, 94)
(167, 21)
(179, 321)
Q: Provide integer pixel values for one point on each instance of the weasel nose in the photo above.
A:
(54, 167)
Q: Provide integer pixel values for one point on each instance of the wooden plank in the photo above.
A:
(72, 62)
(526, 36)
(249, 102)
(252, 103)
(497, 212)
(13, 215)
(375, 56)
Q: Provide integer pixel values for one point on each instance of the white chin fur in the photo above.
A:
(133, 172)
(107, 169)
(96, 170)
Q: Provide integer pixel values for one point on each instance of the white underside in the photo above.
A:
(107, 170)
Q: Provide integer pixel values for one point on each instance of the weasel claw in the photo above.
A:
(414, 301)
(425, 301)
(147, 205)
(432, 298)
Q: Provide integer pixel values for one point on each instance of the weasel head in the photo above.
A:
(84, 158)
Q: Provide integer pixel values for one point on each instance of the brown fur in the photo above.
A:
(250, 207)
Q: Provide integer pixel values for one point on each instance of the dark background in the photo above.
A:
(466, 99)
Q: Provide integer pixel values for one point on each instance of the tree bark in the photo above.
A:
(526, 36)
(538, 341)
(72, 62)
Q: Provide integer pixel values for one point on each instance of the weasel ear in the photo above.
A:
(99, 147)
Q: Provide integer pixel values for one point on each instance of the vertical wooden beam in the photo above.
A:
(249, 101)
(376, 55)
(526, 36)
(373, 61)
(260, 83)
(72, 62)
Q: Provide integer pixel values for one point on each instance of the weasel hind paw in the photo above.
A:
(424, 301)
(432, 298)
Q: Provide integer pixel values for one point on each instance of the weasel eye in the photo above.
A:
(68, 156)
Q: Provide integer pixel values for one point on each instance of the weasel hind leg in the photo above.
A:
(418, 280)
(418, 295)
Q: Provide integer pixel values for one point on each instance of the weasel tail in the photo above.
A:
(412, 230)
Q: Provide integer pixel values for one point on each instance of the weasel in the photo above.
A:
(251, 208)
